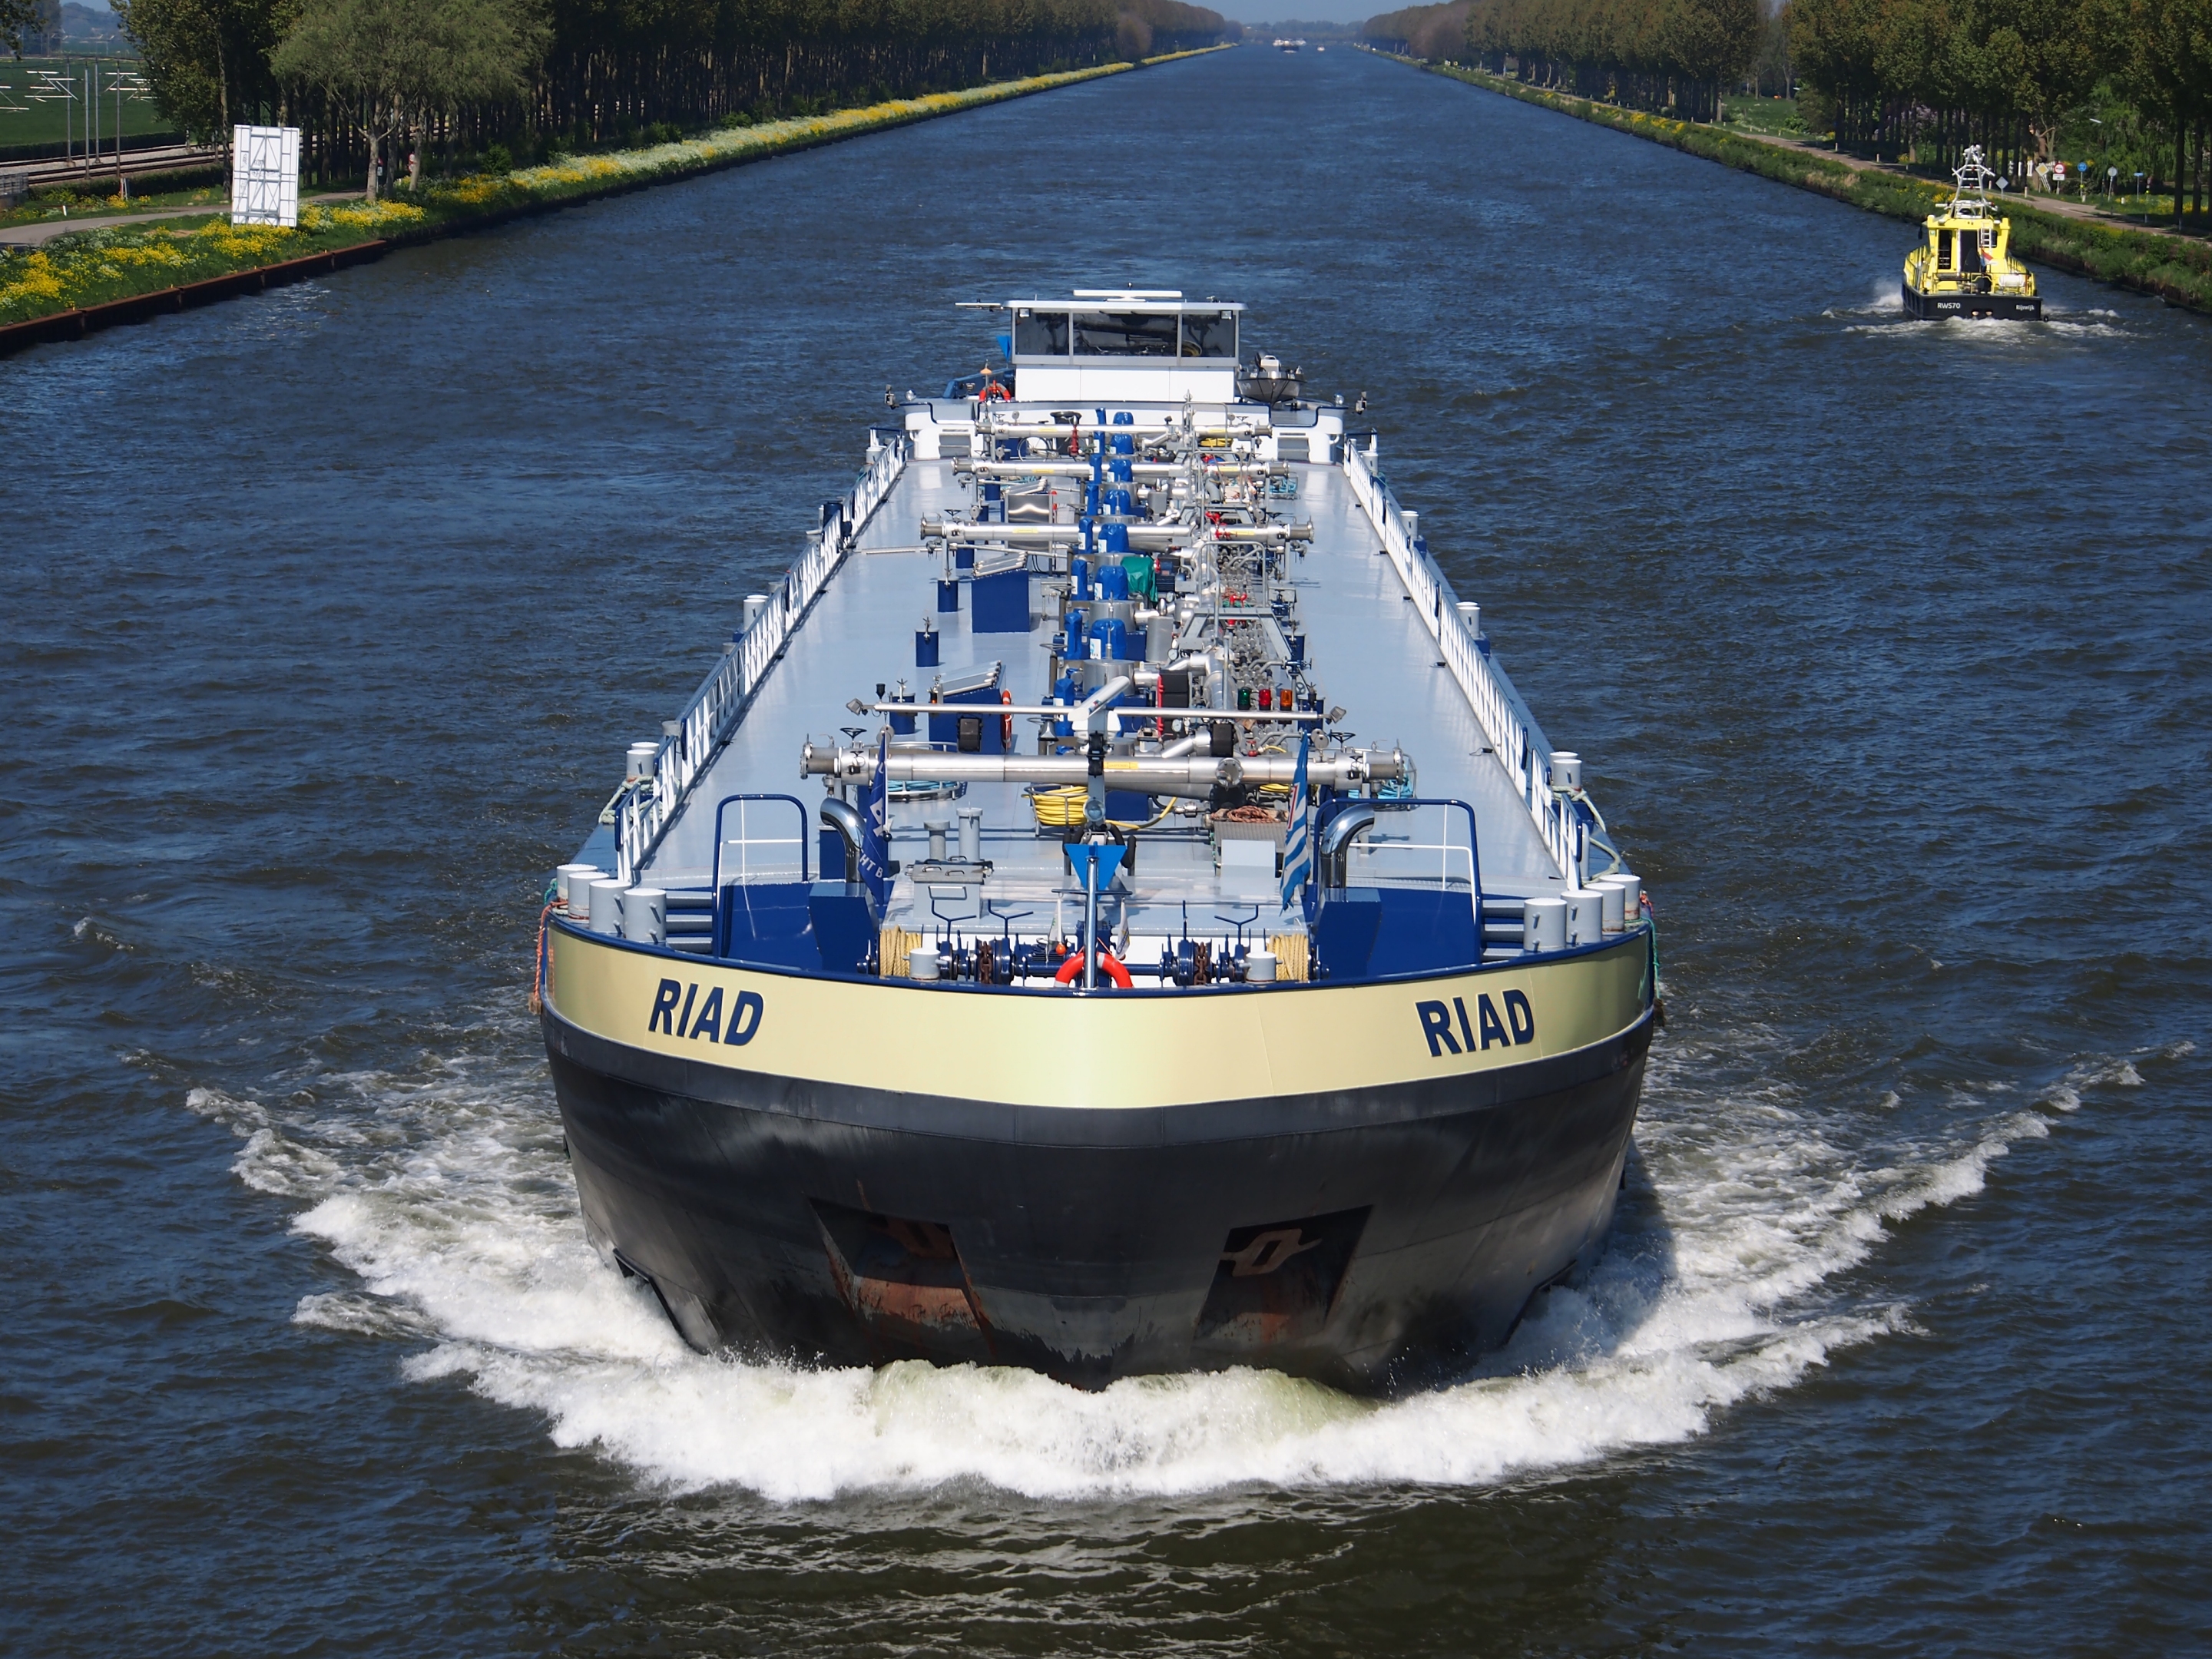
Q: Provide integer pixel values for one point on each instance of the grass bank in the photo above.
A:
(89, 269)
(61, 289)
(2175, 269)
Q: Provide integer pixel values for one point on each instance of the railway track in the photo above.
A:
(135, 163)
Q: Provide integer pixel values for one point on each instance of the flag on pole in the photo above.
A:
(1297, 847)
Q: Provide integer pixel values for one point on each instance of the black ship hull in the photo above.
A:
(1374, 1238)
(1923, 306)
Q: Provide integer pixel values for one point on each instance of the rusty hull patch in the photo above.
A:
(904, 1281)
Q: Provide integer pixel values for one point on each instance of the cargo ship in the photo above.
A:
(1106, 910)
(1964, 265)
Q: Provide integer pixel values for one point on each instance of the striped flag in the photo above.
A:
(1298, 848)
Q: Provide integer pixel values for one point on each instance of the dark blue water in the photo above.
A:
(330, 612)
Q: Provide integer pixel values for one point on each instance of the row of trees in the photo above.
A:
(1438, 34)
(1925, 77)
(1910, 79)
(1653, 54)
(368, 80)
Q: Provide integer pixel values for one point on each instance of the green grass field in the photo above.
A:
(29, 115)
(1772, 115)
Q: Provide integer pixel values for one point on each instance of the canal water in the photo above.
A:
(330, 613)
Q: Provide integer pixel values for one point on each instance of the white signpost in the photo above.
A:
(264, 176)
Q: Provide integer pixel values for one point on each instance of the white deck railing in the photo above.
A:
(713, 714)
(1519, 742)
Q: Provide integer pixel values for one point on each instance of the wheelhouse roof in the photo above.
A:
(1117, 299)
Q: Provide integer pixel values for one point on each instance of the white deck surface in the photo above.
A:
(1366, 650)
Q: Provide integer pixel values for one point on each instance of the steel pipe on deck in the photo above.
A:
(1073, 469)
(1196, 776)
(1140, 535)
(1003, 427)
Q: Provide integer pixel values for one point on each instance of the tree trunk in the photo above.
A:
(222, 103)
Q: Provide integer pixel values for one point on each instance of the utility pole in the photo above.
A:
(123, 83)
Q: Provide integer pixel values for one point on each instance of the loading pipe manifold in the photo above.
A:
(1182, 775)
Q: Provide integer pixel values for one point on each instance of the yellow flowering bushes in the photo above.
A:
(115, 262)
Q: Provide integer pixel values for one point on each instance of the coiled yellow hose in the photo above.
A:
(1060, 807)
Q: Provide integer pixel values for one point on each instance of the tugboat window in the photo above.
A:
(1209, 334)
(1943, 250)
(1125, 334)
(1040, 333)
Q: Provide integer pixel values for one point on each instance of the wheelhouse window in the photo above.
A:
(1125, 333)
(1040, 333)
(1209, 334)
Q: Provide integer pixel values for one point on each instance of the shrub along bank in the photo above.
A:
(98, 267)
(91, 268)
(2175, 270)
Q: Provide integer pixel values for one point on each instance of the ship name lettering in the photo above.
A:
(672, 1002)
(1517, 1025)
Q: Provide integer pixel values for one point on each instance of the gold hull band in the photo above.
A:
(1104, 1051)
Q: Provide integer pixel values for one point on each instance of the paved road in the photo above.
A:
(2069, 206)
(46, 230)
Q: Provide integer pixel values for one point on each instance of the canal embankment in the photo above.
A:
(128, 271)
(2175, 268)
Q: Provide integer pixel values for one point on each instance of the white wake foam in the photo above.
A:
(1981, 333)
(447, 1196)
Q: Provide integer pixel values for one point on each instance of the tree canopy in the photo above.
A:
(601, 70)
(1654, 53)
(1916, 79)
(394, 64)
(17, 18)
(1924, 77)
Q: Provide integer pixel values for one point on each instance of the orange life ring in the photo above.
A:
(1107, 965)
(1006, 725)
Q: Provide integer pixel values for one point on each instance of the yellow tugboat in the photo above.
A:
(1964, 268)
